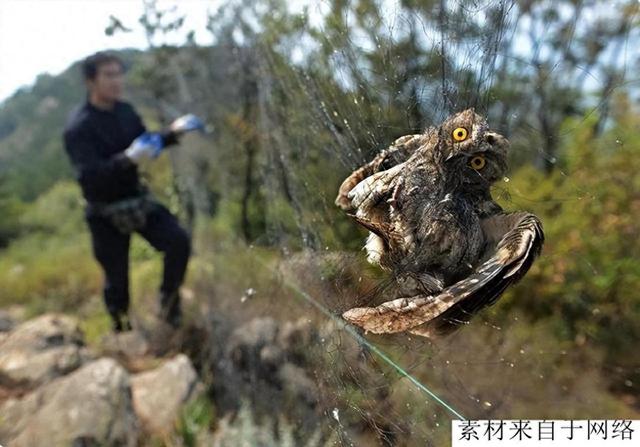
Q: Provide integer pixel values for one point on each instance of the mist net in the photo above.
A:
(304, 94)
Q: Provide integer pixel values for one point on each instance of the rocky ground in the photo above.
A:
(126, 391)
(231, 376)
(57, 391)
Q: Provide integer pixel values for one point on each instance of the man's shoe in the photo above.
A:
(120, 322)
(170, 309)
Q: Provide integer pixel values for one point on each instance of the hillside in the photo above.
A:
(275, 262)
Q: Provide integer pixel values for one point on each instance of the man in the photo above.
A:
(106, 140)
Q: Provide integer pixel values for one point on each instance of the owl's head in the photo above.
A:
(470, 150)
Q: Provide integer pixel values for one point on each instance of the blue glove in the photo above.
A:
(146, 146)
(187, 123)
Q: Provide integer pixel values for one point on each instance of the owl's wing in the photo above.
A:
(520, 241)
(398, 152)
(373, 189)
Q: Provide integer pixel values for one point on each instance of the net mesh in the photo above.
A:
(318, 89)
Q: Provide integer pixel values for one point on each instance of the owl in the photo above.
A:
(450, 248)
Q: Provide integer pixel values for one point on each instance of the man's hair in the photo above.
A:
(92, 63)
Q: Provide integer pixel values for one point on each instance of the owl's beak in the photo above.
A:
(496, 140)
(493, 137)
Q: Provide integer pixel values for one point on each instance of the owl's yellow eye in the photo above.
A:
(477, 162)
(460, 134)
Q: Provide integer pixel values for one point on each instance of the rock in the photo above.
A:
(39, 350)
(296, 337)
(17, 312)
(160, 394)
(6, 321)
(267, 361)
(131, 348)
(91, 406)
(271, 356)
(247, 342)
(127, 344)
(296, 381)
(254, 335)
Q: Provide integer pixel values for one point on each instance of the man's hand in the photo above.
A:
(187, 123)
(146, 147)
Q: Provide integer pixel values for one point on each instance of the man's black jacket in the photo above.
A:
(95, 141)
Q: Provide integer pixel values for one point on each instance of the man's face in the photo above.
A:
(108, 83)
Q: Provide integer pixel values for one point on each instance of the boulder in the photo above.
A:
(130, 348)
(41, 349)
(296, 337)
(91, 406)
(127, 345)
(160, 394)
(7, 321)
(252, 347)
(268, 361)
(254, 335)
(296, 382)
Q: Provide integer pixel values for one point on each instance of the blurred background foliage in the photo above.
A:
(298, 97)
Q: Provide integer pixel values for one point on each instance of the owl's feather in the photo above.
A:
(398, 152)
(512, 258)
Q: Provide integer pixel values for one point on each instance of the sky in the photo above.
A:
(47, 36)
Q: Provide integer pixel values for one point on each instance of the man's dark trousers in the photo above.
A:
(111, 249)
